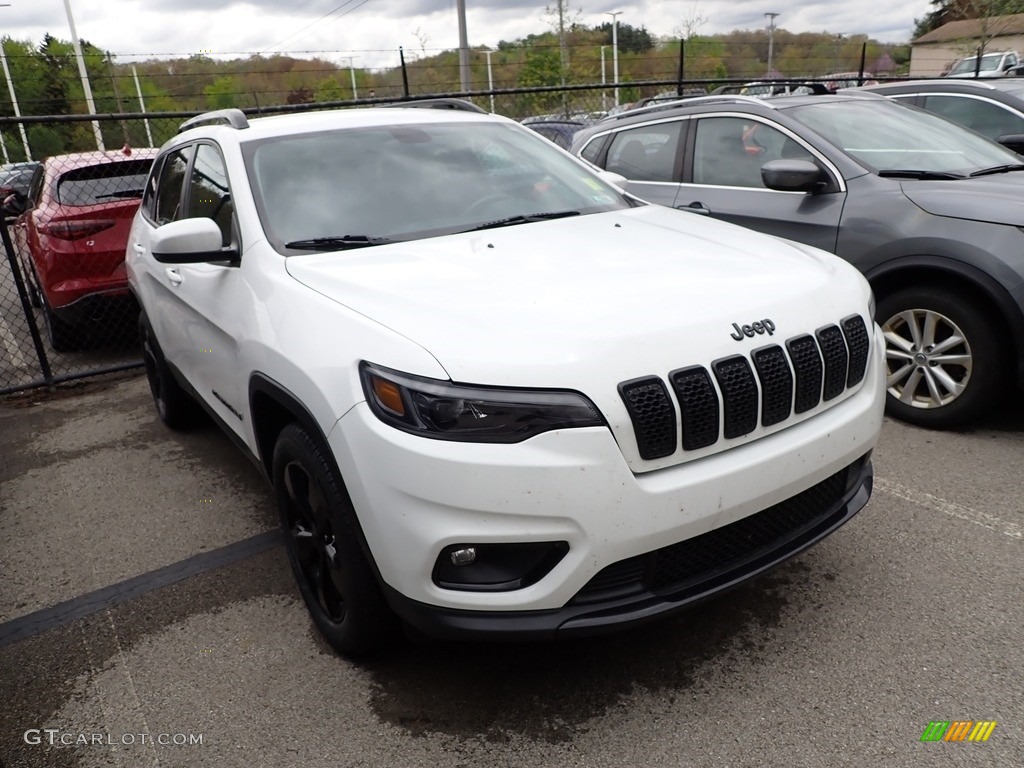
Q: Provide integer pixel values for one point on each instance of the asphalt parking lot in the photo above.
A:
(148, 617)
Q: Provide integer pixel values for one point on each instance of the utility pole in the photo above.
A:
(604, 93)
(14, 102)
(85, 77)
(352, 72)
(463, 47)
(490, 76)
(771, 39)
(142, 105)
(615, 51)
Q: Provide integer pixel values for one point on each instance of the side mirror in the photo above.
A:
(190, 241)
(615, 179)
(1014, 141)
(14, 205)
(792, 175)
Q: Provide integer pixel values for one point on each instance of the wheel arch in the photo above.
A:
(962, 278)
(272, 407)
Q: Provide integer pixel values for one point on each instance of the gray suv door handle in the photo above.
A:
(173, 276)
(695, 207)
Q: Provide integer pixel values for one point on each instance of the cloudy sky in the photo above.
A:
(372, 30)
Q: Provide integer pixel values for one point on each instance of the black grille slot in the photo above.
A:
(700, 563)
(803, 351)
(833, 349)
(776, 384)
(739, 394)
(698, 406)
(857, 341)
(652, 414)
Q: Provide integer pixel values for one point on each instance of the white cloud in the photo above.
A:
(372, 30)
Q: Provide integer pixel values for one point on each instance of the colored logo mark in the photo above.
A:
(958, 730)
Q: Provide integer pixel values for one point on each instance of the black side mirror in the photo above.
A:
(1014, 141)
(788, 175)
(14, 205)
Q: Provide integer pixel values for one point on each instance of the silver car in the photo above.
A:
(930, 212)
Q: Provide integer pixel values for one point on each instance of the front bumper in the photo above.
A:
(415, 497)
(625, 593)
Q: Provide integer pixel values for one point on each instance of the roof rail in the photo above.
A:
(442, 103)
(726, 98)
(233, 117)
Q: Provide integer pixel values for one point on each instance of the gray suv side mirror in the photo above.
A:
(787, 175)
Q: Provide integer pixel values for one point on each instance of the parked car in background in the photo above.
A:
(15, 178)
(932, 213)
(839, 80)
(497, 397)
(560, 132)
(70, 233)
(994, 64)
(993, 108)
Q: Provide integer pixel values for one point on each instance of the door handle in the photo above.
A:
(695, 207)
(173, 276)
(137, 247)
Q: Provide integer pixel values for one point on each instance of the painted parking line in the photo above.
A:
(951, 508)
(11, 343)
(79, 607)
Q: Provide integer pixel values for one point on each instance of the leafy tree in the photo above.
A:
(633, 39)
(222, 93)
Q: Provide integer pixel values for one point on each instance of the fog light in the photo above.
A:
(463, 556)
(476, 567)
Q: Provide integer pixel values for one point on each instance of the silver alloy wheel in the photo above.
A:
(928, 358)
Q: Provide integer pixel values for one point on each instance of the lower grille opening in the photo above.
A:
(696, 564)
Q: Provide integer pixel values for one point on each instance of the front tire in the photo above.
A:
(943, 363)
(322, 540)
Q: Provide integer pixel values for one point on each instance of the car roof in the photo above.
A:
(97, 157)
(246, 130)
(1011, 85)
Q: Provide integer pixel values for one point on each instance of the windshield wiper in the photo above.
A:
(910, 173)
(524, 218)
(338, 242)
(122, 193)
(999, 169)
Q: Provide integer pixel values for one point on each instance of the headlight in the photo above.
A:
(446, 411)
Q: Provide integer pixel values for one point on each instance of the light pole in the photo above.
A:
(14, 102)
(604, 93)
(85, 77)
(771, 39)
(352, 72)
(490, 76)
(615, 51)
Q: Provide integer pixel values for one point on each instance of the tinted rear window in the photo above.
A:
(103, 183)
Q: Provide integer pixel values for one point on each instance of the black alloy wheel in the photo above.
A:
(323, 545)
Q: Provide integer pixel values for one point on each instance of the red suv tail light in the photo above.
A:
(75, 230)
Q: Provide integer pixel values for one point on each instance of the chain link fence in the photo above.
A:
(65, 309)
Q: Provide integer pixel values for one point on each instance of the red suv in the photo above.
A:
(71, 232)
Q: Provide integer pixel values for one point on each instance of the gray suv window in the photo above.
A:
(984, 117)
(729, 151)
(647, 153)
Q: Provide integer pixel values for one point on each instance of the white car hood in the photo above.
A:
(532, 299)
(584, 303)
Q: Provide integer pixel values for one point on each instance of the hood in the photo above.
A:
(625, 293)
(995, 199)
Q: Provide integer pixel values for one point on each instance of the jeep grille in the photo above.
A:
(784, 380)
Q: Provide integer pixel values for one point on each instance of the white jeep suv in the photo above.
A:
(495, 395)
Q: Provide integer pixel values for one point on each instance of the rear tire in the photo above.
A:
(175, 406)
(944, 366)
(63, 336)
(322, 539)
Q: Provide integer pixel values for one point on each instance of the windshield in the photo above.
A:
(888, 136)
(988, 63)
(373, 185)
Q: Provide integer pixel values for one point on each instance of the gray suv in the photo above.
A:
(930, 212)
